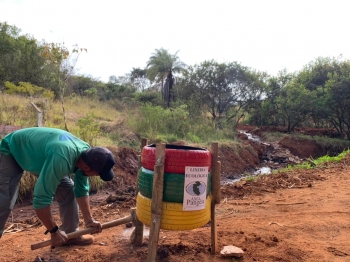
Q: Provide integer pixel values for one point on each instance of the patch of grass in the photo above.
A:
(28, 180)
(312, 163)
(16, 111)
(326, 159)
(229, 143)
(96, 183)
(251, 178)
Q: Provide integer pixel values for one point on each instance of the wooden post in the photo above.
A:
(215, 189)
(40, 115)
(214, 238)
(136, 237)
(215, 176)
(137, 240)
(213, 232)
(144, 142)
(156, 204)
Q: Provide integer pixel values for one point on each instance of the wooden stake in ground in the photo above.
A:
(156, 204)
(137, 240)
(144, 142)
(216, 194)
(40, 115)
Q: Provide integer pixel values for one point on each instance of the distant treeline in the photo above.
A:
(225, 93)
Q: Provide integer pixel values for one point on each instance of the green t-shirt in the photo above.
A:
(51, 154)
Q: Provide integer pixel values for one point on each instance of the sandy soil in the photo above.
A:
(295, 216)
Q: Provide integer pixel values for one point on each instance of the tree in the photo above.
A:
(81, 84)
(294, 104)
(220, 87)
(119, 88)
(315, 74)
(60, 63)
(256, 92)
(20, 57)
(139, 79)
(161, 68)
(269, 106)
(326, 78)
(338, 99)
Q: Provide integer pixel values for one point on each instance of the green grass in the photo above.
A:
(273, 136)
(326, 159)
(312, 163)
(251, 178)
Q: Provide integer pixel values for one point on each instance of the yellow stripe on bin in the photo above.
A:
(173, 217)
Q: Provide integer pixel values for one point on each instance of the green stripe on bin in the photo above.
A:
(173, 190)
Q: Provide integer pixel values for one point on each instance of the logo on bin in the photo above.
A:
(196, 188)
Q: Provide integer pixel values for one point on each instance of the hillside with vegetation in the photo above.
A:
(169, 101)
(212, 96)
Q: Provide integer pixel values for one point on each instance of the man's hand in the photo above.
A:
(84, 205)
(96, 224)
(58, 238)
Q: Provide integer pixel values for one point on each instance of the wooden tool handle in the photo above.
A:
(85, 231)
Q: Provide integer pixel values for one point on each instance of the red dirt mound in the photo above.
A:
(303, 148)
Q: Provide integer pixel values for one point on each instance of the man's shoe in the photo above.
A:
(80, 241)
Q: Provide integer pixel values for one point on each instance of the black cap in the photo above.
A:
(101, 160)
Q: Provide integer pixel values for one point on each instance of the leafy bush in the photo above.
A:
(27, 89)
(89, 129)
(157, 123)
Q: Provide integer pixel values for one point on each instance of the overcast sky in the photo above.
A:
(266, 35)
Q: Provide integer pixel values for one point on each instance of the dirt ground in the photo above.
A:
(292, 216)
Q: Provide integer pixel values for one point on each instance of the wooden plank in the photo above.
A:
(213, 233)
(215, 174)
(137, 240)
(218, 182)
(144, 142)
(156, 204)
(216, 193)
(214, 238)
(40, 114)
(36, 108)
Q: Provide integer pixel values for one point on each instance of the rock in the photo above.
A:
(231, 251)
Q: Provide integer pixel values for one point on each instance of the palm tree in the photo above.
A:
(161, 66)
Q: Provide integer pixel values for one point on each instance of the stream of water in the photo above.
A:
(265, 170)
